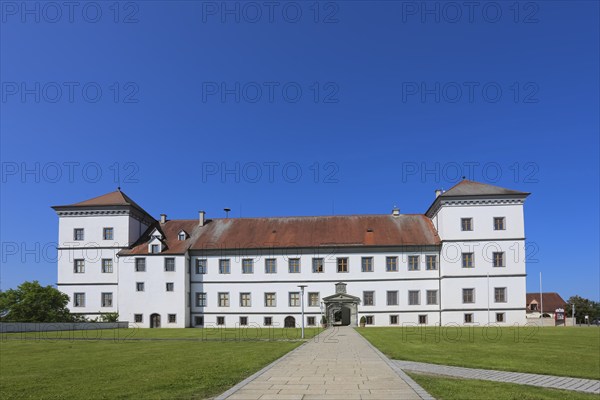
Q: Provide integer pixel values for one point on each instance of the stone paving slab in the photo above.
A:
(338, 364)
(545, 381)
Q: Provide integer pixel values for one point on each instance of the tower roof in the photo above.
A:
(112, 199)
(472, 188)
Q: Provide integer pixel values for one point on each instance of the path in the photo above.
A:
(545, 381)
(338, 364)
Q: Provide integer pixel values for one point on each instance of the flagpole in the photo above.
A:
(541, 299)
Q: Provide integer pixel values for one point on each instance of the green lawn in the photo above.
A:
(123, 368)
(553, 351)
(467, 389)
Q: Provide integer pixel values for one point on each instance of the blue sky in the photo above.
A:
(304, 108)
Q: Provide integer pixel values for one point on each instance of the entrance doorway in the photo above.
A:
(155, 321)
(342, 316)
(289, 322)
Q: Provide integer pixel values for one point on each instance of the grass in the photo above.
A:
(122, 368)
(561, 351)
(466, 389)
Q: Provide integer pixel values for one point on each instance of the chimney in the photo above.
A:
(201, 218)
(163, 218)
(395, 211)
(438, 192)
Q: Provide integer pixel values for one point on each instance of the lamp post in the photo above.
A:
(302, 305)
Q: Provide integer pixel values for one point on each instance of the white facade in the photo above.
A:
(460, 279)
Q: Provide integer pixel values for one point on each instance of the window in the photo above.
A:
(499, 224)
(223, 299)
(139, 286)
(468, 295)
(268, 321)
(311, 321)
(533, 307)
(500, 317)
(107, 265)
(391, 264)
(169, 264)
(198, 320)
(313, 299)
(366, 264)
(393, 320)
(79, 267)
(369, 320)
(224, 266)
(200, 299)
(392, 298)
(342, 264)
(78, 299)
(467, 260)
(414, 298)
(413, 263)
(170, 286)
(294, 265)
(468, 318)
(294, 299)
(172, 318)
(106, 299)
(245, 300)
(466, 224)
(107, 233)
(431, 263)
(200, 266)
(243, 321)
(138, 318)
(78, 234)
(247, 266)
(270, 300)
(155, 248)
(423, 319)
(432, 297)
(270, 266)
(140, 264)
(317, 265)
(220, 320)
(500, 295)
(498, 259)
(368, 298)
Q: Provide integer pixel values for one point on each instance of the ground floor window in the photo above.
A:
(138, 318)
(220, 320)
(198, 320)
(468, 318)
(172, 318)
(268, 321)
(393, 320)
(369, 319)
(243, 321)
(310, 321)
(500, 317)
(422, 319)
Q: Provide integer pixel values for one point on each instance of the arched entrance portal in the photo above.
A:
(155, 321)
(341, 316)
(289, 322)
(341, 308)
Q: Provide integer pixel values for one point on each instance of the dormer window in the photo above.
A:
(182, 235)
(155, 248)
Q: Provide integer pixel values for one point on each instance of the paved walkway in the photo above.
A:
(338, 364)
(546, 381)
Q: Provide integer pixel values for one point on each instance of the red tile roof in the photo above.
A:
(472, 188)
(116, 198)
(552, 301)
(295, 232)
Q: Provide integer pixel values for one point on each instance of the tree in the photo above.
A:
(32, 302)
(583, 307)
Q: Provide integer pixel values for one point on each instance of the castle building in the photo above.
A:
(462, 262)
